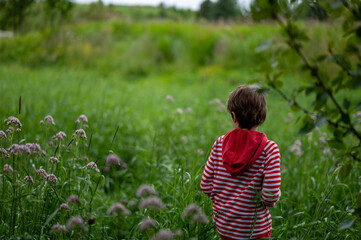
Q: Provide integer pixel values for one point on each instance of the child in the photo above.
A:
(242, 174)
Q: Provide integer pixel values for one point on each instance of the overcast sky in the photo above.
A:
(192, 4)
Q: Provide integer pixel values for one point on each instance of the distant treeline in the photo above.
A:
(26, 15)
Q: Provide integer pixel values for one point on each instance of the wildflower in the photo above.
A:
(18, 129)
(49, 119)
(179, 111)
(184, 139)
(51, 178)
(215, 101)
(64, 206)
(74, 199)
(179, 233)
(92, 165)
(199, 152)
(132, 203)
(163, 234)
(82, 118)
(53, 160)
(29, 179)
(118, 207)
(4, 153)
(147, 223)
(169, 98)
(106, 169)
(57, 228)
(2, 134)
(7, 168)
(80, 132)
(290, 115)
(113, 159)
(124, 165)
(86, 159)
(10, 130)
(221, 108)
(76, 222)
(296, 148)
(34, 147)
(13, 121)
(86, 126)
(146, 189)
(195, 214)
(152, 203)
(43, 153)
(59, 136)
(189, 110)
(41, 172)
(41, 122)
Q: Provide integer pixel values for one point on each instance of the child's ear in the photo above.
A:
(235, 120)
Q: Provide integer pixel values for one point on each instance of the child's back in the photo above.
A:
(242, 177)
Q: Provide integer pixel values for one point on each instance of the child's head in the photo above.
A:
(248, 106)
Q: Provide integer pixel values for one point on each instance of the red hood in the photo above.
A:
(241, 148)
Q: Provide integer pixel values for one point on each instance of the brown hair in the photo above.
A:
(249, 106)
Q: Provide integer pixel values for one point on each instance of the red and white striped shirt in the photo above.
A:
(239, 202)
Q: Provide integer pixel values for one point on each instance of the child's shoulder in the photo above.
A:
(271, 147)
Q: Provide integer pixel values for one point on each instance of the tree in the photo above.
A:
(13, 12)
(57, 9)
(206, 10)
(226, 9)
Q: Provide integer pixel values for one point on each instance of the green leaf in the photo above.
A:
(308, 125)
(358, 105)
(321, 119)
(263, 46)
(345, 118)
(336, 143)
(346, 224)
(344, 172)
(346, 103)
(263, 90)
(321, 58)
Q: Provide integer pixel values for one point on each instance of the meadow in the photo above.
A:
(149, 97)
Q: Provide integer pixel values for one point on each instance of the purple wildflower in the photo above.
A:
(18, 129)
(51, 178)
(7, 168)
(195, 214)
(221, 108)
(64, 206)
(145, 190)
(169, 98)
(179, 233)
(2, 134)
(80, 132)
(296, 148)
(215, 101)
(29, 179)
(49, 119)
(179, 111)
(74, 199)
(43, 153)
(10, 130)
(57, 228)
(82, 118)
(59, 136)
(147, 223)
(184, 139)
(106, 169)
(76, 222)
(4, 153)
(92, 165)
(153, 203)
(118, 207)
(124, 165)
(13, 121)
(41, 172)
(189, 110)
(41, 121)
(53, 160)
(113, 159)
(163, 234)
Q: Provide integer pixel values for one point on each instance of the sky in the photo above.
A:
(188, 4)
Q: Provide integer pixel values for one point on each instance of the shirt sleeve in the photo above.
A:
(208, 173)
(272, 175)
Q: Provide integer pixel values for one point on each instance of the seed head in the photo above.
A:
(81, 133)
(163, 234)
(195, 214)
(74, 199)
(118, 207)
(296, 148)
(64, 206)
(41, 122)
(2, 134)
(49, 119)
(147, 223)
(29, 179)
(10, 130)
(4, 153)
(113, 159)
(145, 190)
(169, 98)
(59, 136)
(7, 168)
(153, 203)
(82, 118)
(41, 172)
(76, 222)
(51, 178)
(53, 160)
(92, 165)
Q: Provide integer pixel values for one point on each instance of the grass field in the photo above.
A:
(148, 91)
